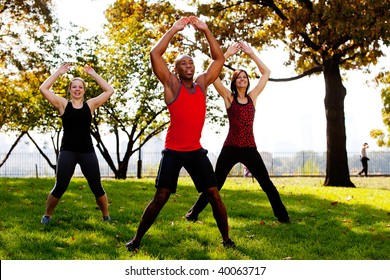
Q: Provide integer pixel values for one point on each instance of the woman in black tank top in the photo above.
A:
(76, 146)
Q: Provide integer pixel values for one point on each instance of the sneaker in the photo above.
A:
(106, 219)
(284, 220)
(229, 243)
(45, 220)
(132, 246)
(191, 218)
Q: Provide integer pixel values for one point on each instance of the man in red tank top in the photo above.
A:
(186, 101)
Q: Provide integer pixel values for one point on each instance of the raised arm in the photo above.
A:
(99, 100)
(215, 67)
(265, 72)
(57, 101)
(222, 90)
(159, 65)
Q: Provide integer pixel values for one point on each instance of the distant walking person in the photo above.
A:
(76, 146)
(240, 143)
(364, 159)
(186, 102)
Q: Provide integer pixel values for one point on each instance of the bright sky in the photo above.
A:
(290, 116)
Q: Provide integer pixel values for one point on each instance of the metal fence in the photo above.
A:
(278, 164)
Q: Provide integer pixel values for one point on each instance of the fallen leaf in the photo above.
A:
(262, 222)
(287, 258)
(334, 203)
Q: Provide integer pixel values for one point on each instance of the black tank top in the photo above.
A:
(77, 129)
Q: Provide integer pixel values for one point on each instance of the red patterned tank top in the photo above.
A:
(241, 118)
(188, 113)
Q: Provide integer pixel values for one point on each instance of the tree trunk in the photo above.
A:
(122, 169)
(337, 171)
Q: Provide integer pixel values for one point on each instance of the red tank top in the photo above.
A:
(241, 118)
(188, 113)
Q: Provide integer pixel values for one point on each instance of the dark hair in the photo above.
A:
(233, 86)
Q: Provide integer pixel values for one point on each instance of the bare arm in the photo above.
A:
(159, 65)
(222, 90)
(57, 101)
(215, 67)
(265, 72)
(99, 100)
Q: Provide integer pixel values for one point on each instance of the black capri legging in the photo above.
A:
(251, 158)
(66, 165)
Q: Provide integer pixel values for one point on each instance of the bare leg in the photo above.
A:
(102, 202)
(219, 211)
(51, 203)
(149, 216)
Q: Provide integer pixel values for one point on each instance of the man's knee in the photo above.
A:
(212, 195)
(162, 195)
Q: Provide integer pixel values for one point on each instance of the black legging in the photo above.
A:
(251, 158)
(66, 165)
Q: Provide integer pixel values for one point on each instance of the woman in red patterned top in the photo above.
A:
(240, 146)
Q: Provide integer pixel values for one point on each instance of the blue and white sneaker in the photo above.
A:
(45, 220)
(106, 219)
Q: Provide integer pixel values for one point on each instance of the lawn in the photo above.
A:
(328, 223)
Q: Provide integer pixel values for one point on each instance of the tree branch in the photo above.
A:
(42, 152)
(308, 4)
(317, 69)
(12, 148)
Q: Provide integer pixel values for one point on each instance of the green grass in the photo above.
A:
(328, 223)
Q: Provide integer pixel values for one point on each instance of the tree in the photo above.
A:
(25, 45)
(321, 37)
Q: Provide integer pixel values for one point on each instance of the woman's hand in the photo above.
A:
(244, 46)
(233, 49)
(89, 70)
(65, 67)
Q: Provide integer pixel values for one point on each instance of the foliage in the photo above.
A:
(320, 37)
(383, 140)
(27, 40)
(25, 45)
(312, 31)
(358, 217)
(24, 26)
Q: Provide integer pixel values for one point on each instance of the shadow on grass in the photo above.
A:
(321, 228)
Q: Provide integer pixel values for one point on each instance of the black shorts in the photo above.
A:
(195, 162)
